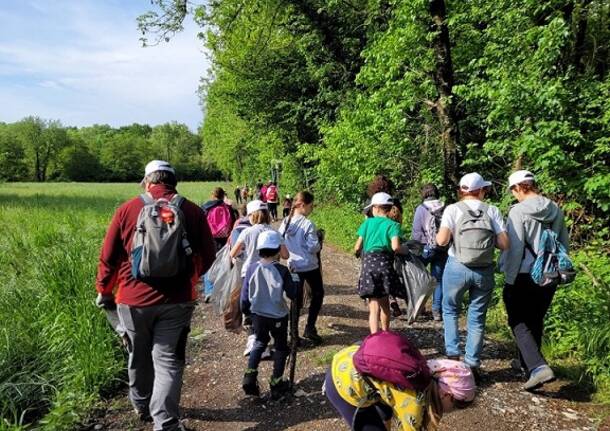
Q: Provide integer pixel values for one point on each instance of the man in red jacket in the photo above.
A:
(154, 316)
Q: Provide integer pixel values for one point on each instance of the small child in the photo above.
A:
(263, 297)
(378, 240)
(287, 206)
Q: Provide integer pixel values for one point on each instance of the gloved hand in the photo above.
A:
(105, 301)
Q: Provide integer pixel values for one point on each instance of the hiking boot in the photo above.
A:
(539, 376)
(279, 389)
(396, 312)
(250, 384)
(437, 316)
(312, 335)
(249, 344)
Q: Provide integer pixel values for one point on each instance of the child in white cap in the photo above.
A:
(473, 229)
(378, 240)
(262, 296)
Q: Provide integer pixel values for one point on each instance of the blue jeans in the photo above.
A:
(479, 283)
(437, 261)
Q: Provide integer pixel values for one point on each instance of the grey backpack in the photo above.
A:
(474, 238)
(160, 248)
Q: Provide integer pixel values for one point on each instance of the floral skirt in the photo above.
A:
(378, 278)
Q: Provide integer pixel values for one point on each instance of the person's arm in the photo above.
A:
(510, 261)
(443, 236)
(396, 245)
(562, 231)
(502, 241)
(290, 287)
(107, 270)
(237, 248)
(417, 231)
(358, 246)
(244, 297)
(284, 253)
(312, 242)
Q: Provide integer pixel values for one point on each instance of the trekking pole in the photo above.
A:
(294, 340)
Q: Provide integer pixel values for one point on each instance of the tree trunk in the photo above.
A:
(445, 103)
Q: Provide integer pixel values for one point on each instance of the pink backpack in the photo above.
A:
(220, 221)
(391, 357)
(272, 194)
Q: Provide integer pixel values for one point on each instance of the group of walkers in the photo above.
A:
(159, 245)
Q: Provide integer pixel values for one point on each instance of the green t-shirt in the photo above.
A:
(377, 234)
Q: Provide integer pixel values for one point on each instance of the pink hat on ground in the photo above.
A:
(453, 377)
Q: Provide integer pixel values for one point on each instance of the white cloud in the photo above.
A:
(86, 65)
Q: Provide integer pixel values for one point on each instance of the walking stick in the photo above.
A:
(294, 340)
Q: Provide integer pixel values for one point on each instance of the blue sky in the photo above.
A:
(81, 62)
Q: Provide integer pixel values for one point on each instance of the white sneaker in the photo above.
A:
(249, 344)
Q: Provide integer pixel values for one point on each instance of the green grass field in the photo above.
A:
(57, 353)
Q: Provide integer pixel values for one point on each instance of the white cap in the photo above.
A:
(473, 181)
(254, 206)
(519, 177)
(157, 165)
(268, 239)
(380, 199)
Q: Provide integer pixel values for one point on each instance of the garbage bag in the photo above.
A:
(419, 283)
(224, 287)
(221, 265)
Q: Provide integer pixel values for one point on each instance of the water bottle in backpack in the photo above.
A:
(159, 247)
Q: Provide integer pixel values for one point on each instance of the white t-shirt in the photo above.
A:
(453, 213)
(248, 237)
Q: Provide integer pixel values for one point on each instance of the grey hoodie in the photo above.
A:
(526, 220)
(421, 220)
(302, 243)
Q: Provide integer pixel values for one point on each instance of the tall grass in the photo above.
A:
(57, 353)
(577, 337)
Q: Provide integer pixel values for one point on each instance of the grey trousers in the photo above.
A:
(157, 338)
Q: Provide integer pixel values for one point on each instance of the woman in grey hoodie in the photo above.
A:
(304, 243)
(526, 302)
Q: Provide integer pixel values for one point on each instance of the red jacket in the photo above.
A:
(114, 269)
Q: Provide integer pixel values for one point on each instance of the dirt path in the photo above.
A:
(212, 397)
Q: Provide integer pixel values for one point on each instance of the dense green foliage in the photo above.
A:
(336, 91)
(57, 353)
(37, 150)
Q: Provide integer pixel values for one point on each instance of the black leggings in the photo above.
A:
(314, 280)
(526, 305)
(370, 418)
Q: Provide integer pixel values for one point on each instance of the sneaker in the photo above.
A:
(250, 384)
(279, 389)
(539, 376)
(437, 316)
(396, 312)
(312, 335)
(249, 344)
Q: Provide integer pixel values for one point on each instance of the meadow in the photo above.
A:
(58, 356)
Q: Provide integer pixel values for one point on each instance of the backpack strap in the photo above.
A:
(147, 199)
(177, 200)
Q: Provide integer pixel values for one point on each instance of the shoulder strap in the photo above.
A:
(177, 200)
(146, 199)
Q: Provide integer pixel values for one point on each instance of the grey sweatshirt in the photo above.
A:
(302, 243)
(525, 223)
(263, 290)
(420, 220)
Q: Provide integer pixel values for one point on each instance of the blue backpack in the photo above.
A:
(552, 265)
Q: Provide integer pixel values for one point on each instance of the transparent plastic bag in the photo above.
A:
(221, 265)
(225, 286)
(418, 283)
